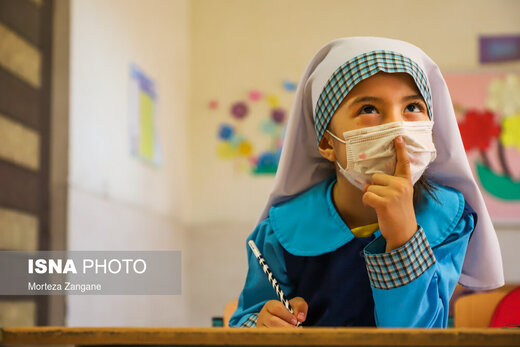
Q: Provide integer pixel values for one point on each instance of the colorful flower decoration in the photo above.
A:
(239, 110)
(511, 131)
(504, 95)
(213, 104)
(482, 123)
(225, 131)
(245, 148)
(234, 145)
(273, 100)
(236, 140)
(288, 85)
(269, 127)
(278, 115)
(226, 151)
(267, 163)
(255, 95)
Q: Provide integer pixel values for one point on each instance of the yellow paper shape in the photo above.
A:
(511, 131)
(273, 100)
(245, 148)
(146, 129)
(225, 150)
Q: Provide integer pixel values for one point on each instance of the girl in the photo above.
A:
(353, 230)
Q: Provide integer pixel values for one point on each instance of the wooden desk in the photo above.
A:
(260, 337)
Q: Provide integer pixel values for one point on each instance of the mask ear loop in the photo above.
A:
(334, 136)
(342, 141)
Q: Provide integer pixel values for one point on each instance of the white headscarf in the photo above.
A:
(301, 165)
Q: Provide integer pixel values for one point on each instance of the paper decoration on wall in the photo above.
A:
(225, 132)
(499, 48)
(235, 145)
(288, 85)
(278, 115)
(273, 100)
(239, 110)
(255, 95)
(213, 104)
(488, 113)
(144, 139)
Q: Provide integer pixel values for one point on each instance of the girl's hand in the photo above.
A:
(275, 314)
(392, 198)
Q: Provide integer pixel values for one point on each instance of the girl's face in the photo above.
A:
(379, 99)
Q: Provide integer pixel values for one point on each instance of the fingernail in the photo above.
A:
(294, 321)
(301, 316)
(399, 139)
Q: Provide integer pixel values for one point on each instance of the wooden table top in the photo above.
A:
(260, 336)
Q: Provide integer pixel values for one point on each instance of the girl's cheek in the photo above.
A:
(341, 155)
(416, 116)
(367, 120)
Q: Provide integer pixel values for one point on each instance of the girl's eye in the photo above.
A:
(414, 107)
(368, 109)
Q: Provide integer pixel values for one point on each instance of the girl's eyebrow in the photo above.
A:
(413, 97)
(361, 99)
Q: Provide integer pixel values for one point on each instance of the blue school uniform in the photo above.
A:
(351, 281)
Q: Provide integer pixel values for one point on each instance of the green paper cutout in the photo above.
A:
(499, 186)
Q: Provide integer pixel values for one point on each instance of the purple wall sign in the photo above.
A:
(494, 49)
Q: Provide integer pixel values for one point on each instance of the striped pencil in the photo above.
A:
(273, 281)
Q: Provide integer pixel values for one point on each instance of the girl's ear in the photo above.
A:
(326, 148)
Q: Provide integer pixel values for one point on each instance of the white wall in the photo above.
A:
(116, 202)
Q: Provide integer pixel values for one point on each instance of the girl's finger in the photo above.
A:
(276, 308)
(381, 179)
(402, 168)
(381, 191)
(277, 322)
(373, 200)
(300, 308)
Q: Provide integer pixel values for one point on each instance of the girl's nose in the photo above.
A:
(393, 115)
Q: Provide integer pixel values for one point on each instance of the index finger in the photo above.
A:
(300, 308)
(402, 168)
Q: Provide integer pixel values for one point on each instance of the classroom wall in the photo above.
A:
(238, 45)
(115, 201)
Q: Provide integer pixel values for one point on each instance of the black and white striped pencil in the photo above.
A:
(271, 278)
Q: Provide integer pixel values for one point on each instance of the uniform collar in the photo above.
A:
(309, 224)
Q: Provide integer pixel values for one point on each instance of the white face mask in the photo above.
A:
(371, 150)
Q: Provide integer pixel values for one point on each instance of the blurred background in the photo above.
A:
(157, 125)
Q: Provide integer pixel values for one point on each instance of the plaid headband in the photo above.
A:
(358, 68)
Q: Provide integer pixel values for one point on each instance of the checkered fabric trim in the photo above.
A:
(402, 265)
(359, 68)
(251, 321)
